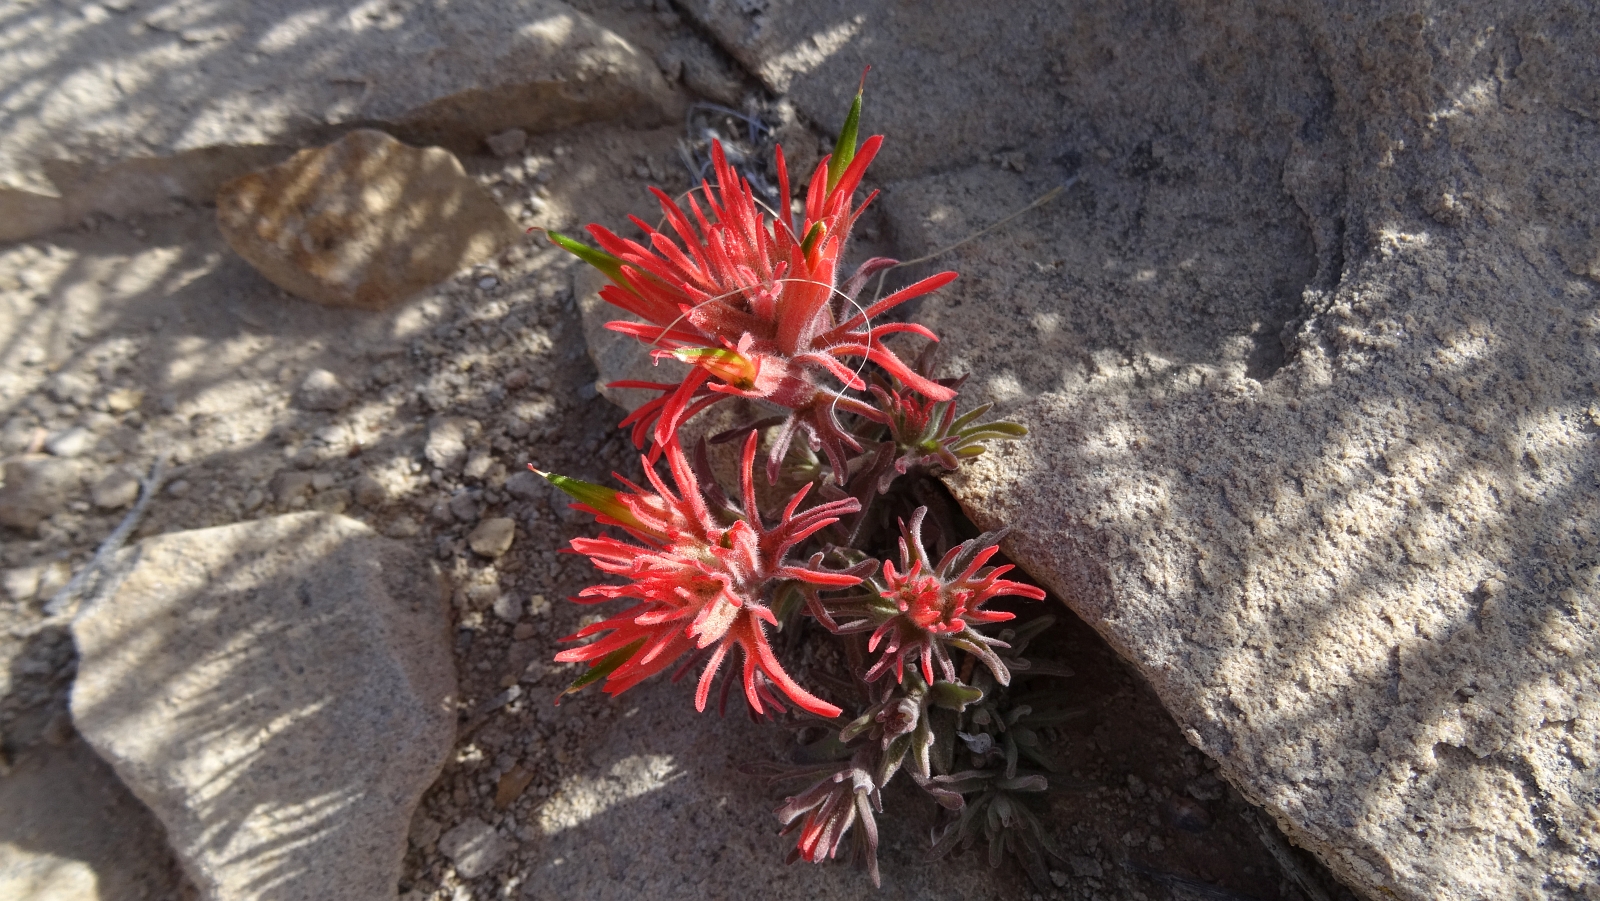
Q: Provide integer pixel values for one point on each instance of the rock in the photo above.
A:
(260, 683)
(369, 492)
(527, 486)
(273, 82)
(70, 443)
(291, 486)
(321, 390)
(36, 486)
(69, 387)
(21, 583)
(507, 143)
(446, 447)
(178, 488)
(1307, 356)
(123, 400)
(508, 607)
(474, 847)
(493, 537)
(364, 222)
(463, 506)
(118, 489)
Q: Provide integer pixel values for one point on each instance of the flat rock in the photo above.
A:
(113, 111)
(1307, 352)
(364, 222)
(279, 693)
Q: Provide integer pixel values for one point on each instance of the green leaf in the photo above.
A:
(845, 150)
(599, 259)
(955, 696)
(604, 667)
(597, 497)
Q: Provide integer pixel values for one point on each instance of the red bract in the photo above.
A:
(703, 577)
(825, 813)
(920, 610)
(756, 306)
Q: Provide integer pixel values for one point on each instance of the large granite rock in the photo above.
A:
(279, 693)
(364, 222)
(1308, 352)
(113, 106)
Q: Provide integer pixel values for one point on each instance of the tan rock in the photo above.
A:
(1308, 355)
(191, 104)
(493, 537)
(279, 693)
(364, 222)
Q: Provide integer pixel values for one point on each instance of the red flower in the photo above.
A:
(915, 612)
(825, 812)
(703, 573)
(756, 306)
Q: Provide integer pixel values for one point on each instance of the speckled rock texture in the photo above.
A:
(1308, 350)
(115, 106)
(279, 693)
(364, 222)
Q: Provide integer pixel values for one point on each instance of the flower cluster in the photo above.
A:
(755, 302)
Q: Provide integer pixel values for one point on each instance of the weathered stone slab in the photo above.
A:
(279, 693)
(1308, 356)
(112, 106)
(364, 222)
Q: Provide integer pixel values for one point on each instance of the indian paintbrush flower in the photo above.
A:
(756, 306)
(920, 610)
(703, 573)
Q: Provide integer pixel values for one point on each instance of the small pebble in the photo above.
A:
(508, 607)
(493, 537)
(488, 282)
(70, 443)
(522, 632)
(180, 488)
(369, 492)
(117, 490)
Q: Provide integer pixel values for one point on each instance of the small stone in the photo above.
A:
(474, 847)
(169, 403)
(402, 527)
(364, 222)
(538, 605)
(493, 537)
(425, 831)
(21, 583)
(511, 786)
(321, 390)
(522, 632)
(123, 400)
(36, 487)
(179, 488)
(487, 282)
(70, 443)
(480, 596)
(527, 486)
(507, 143)
(73, 388)
(463, 506)
(118, 489)
(448, 436)
(369, 492)
(508, 607)
(334, 501)
(254, 499)
(322, 481)
(478, 464)
(291, 486)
